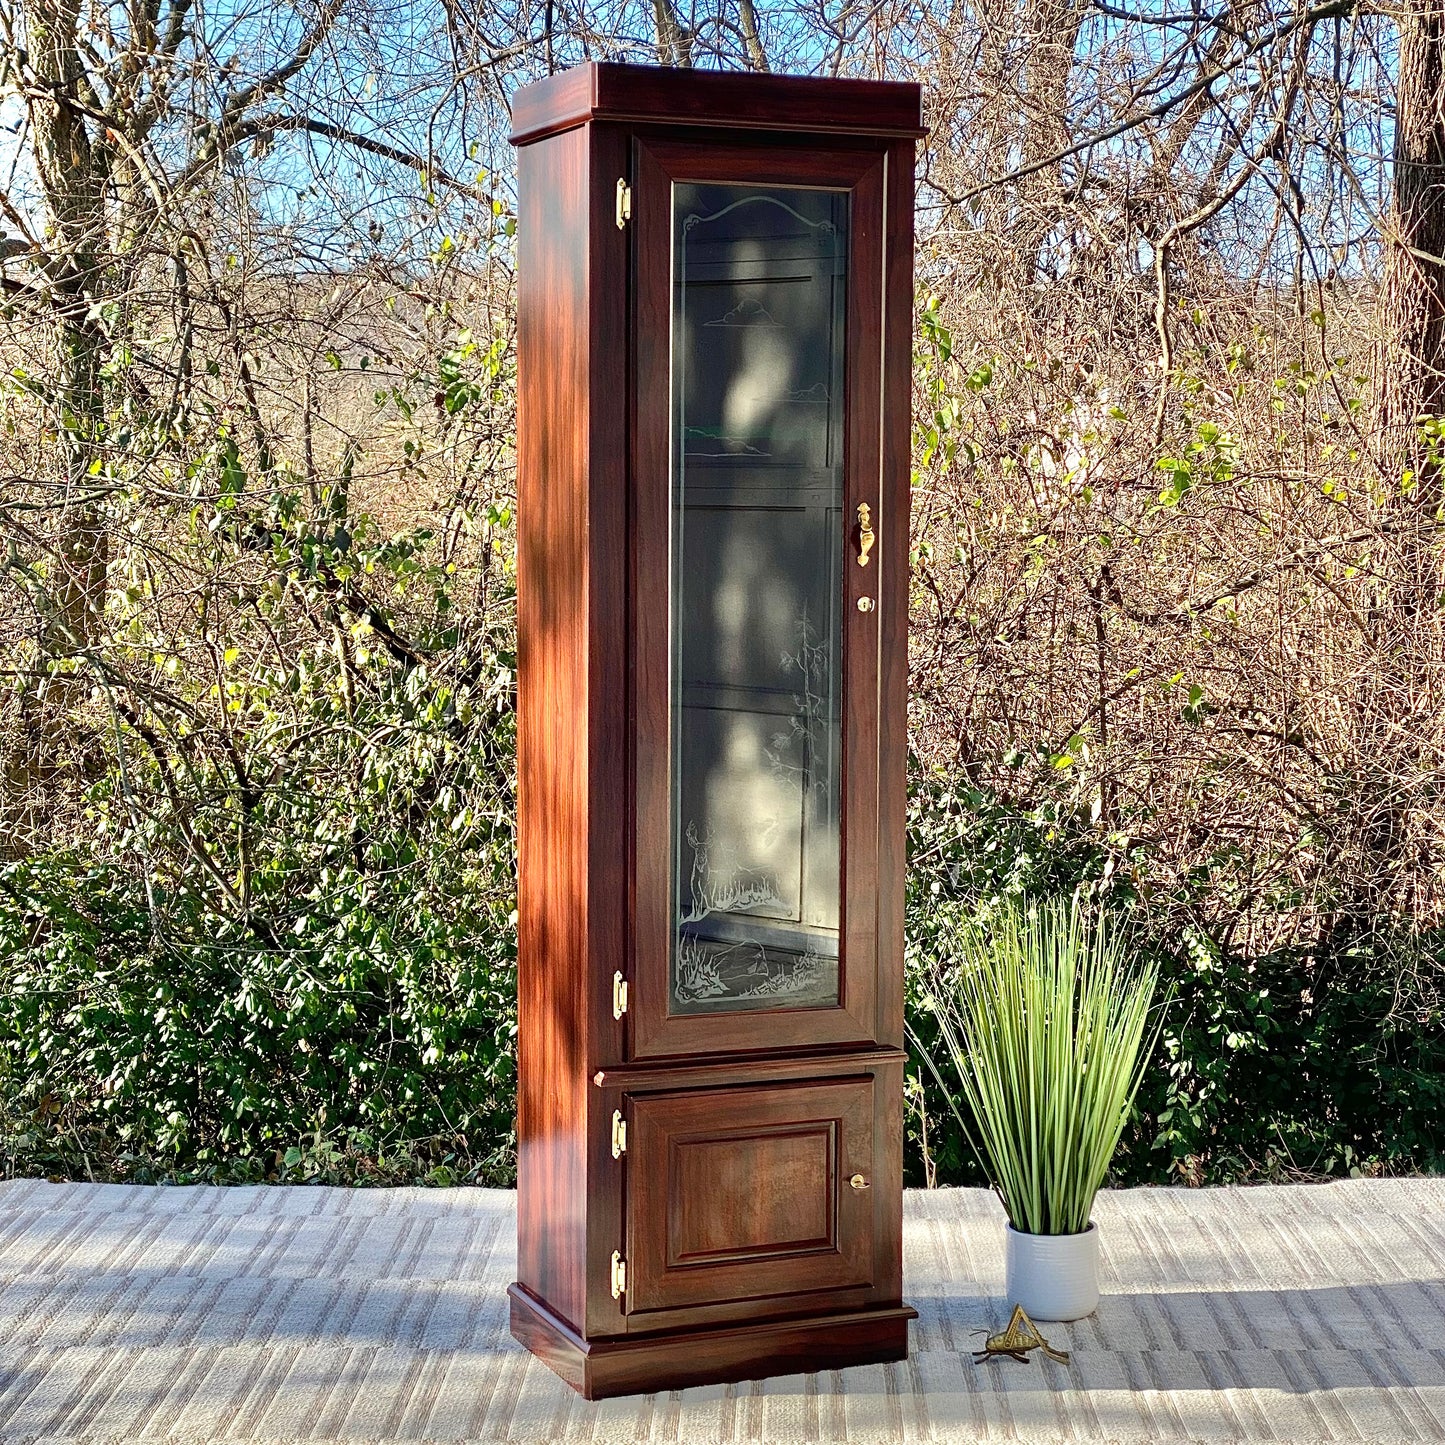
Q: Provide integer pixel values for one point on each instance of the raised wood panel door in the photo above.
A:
(745, 1193)
(756, 627)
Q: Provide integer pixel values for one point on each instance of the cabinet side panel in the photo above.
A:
(553, 705)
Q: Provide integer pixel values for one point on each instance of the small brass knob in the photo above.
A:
(858, 1182)
(866, 604)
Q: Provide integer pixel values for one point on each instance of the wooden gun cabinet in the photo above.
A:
(713, 352)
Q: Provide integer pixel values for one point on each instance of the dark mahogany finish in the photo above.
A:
(855, 1019)
(778, 103)
(743, 1193)
(602, 1367)
(748, 1250)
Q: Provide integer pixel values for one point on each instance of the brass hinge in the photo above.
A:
(619, 995)
(619, 1134)
(624, 203)
(619, 1275)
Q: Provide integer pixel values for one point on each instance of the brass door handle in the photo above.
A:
(858, 1182)
(866, 536)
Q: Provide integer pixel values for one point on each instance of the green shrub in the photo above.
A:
(283, 944)
(146, 1039)
(1298, 1063)
(1323, 1059)
(355, 1020)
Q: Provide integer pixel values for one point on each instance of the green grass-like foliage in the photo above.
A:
(1048, 1021)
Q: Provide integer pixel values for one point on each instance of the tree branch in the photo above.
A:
(269, 84)
(1308, 17)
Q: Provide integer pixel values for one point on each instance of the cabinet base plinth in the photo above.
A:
(642, 1364)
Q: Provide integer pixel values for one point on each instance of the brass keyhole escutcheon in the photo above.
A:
(866, 536)
(858, 1182)
(866, 604)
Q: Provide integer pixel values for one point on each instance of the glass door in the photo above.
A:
(759, 290)
(756, 473)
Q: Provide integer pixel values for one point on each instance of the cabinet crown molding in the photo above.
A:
(739, 100)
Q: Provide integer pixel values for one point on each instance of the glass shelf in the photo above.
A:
(758, 287)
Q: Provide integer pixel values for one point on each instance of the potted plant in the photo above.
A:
(1046, 1019)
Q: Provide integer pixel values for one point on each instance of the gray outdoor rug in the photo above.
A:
(1301, 1313)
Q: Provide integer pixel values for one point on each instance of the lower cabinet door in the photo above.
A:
(749, 1192)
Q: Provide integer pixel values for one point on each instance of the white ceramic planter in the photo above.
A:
(1053, 1276)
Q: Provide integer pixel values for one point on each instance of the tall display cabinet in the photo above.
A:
(714, 321)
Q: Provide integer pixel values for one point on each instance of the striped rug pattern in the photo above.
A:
(281, 1314)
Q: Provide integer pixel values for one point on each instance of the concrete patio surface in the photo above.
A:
(279, 1314)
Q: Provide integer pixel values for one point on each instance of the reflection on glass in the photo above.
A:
(757, 495)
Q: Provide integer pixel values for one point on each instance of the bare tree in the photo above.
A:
(1176, 469)
(1412, 297)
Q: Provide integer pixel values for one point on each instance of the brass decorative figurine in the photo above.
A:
(1015, 1342)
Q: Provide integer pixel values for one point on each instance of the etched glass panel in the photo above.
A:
(757, 504)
